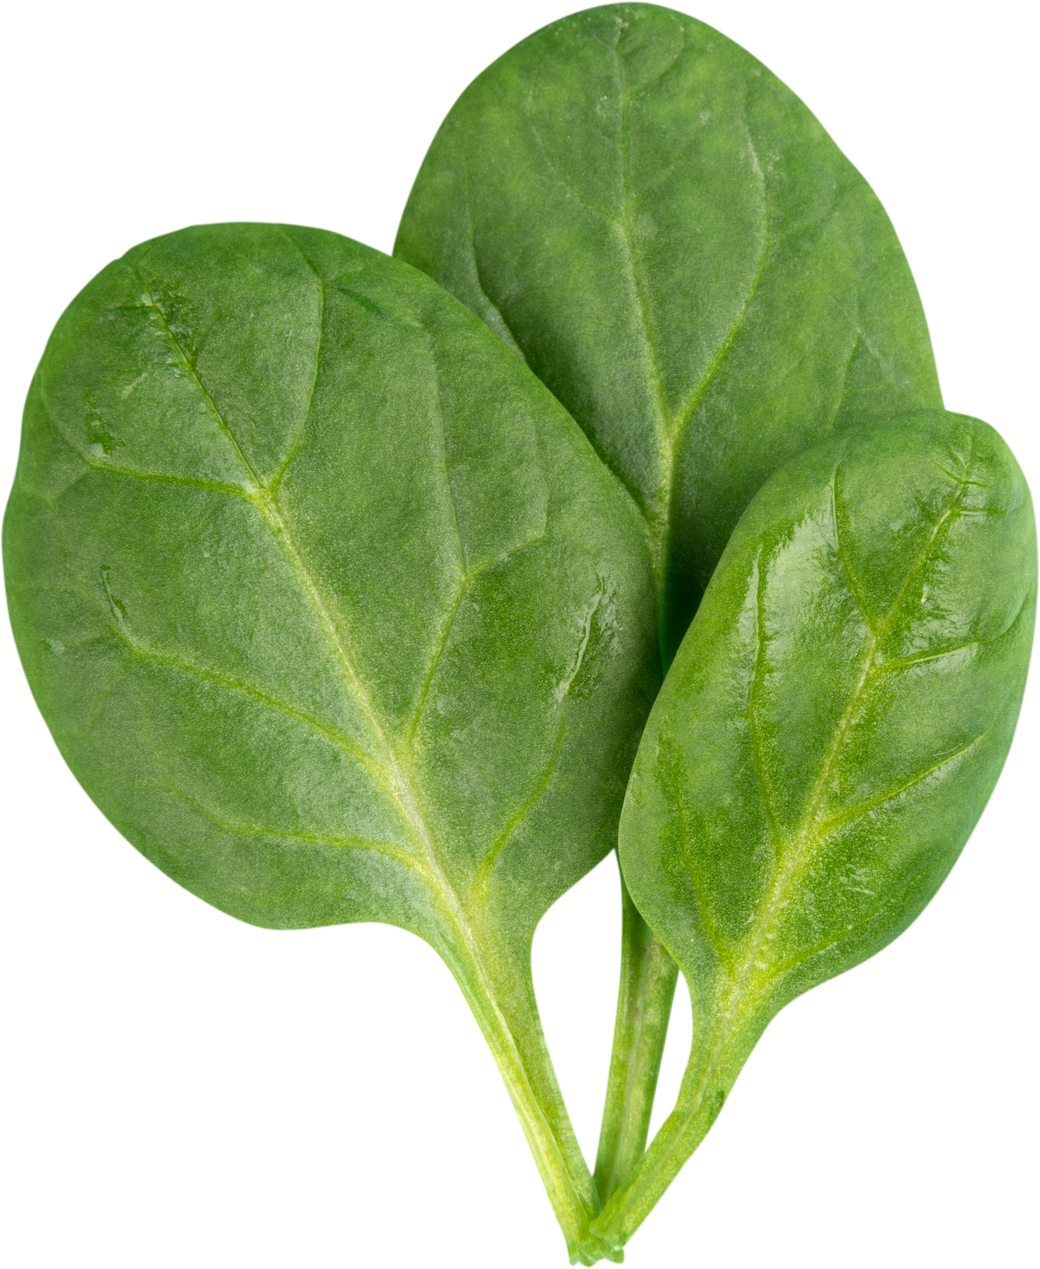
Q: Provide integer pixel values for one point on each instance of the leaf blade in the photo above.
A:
(681, 253)
(332, 610)
(177, 533)
(877, 766)
(849, 755)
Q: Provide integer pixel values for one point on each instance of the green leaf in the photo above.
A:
(677, 248)
(332, 610)
(828, 734)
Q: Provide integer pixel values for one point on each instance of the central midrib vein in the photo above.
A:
(669, 427)
(660, 1160)
(408, 802)
(657, 515)
(802, 836)
(486, 1000)
(267, 504)
(809, 817)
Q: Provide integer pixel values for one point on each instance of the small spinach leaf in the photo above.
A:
(677, 248)
(828, 733)
(332, 610)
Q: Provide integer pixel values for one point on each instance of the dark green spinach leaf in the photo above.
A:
(677, 248)
(332, 609)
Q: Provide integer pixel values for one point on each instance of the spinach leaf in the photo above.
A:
(333, 611)
(828, 734)
(677, 248)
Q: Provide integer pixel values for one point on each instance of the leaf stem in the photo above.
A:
(706, 1084)
(648, 978)
(508, 1016)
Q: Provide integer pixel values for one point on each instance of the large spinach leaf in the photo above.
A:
(828, 734)
(332, 609)
(678, 249)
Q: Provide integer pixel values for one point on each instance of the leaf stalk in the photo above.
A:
(645, 992)
(508, 1016)
(706, 1084)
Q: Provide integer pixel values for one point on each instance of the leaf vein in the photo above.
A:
(297, 438)
(752, 712)
(332, 734)
(834, 822)
(482, 880)
(557, 172)
(689, 407)
(850, 580)
(388, 849)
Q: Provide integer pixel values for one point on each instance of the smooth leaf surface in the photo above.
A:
(830, 730)
(676, 247)
(329, 605)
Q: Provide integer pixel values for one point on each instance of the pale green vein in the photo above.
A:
(188, 481)
(757, 758)
(387, 849)
(886, 366)
(133, 473)
(840, 398)
(802, 839)
(466, 574)
(462, 578)
(959, 479)
(333, 735)
(689, 407)
(465, 582)
(441, 438)
(818, 949)
(495, 317)
(571, 189)
(443, 636)
(834, 822)
(670, 427)
(627, 231)
(482, 879)
(638, 90)
(189, 365)
(276, 480)
(693, 871)
(850, 579)
(905, 663)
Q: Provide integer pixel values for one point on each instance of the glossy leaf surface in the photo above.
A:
(677, 248)
(830, 729)
(838, 714)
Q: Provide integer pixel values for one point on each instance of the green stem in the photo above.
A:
(648, 977)
(714, 1065)
(504, 1005)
